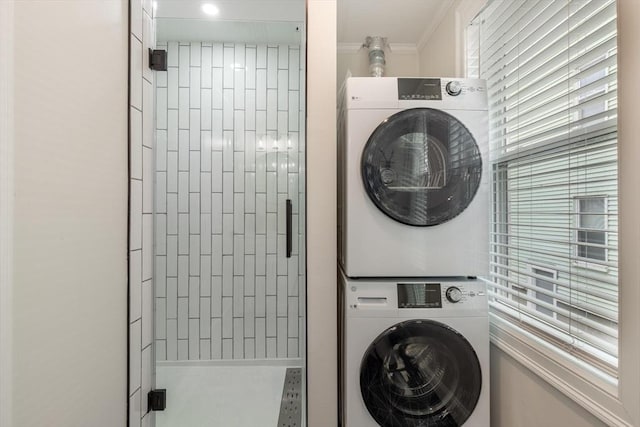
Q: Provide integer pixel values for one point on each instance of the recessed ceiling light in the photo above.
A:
(210, 9)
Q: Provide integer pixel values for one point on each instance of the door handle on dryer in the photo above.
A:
(289, 213)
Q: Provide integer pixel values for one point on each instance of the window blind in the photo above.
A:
(551, 75)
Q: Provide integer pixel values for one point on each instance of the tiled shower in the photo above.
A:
(229, 153)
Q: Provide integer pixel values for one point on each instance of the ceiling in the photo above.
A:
(405, 22)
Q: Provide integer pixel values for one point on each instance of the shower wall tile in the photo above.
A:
(142, 158)
(228, 156)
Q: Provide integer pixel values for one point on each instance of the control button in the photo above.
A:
(454, 294)
(454, 88)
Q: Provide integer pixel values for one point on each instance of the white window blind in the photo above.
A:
(550, 67)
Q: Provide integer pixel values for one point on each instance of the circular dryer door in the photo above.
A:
(420, 373)
(421, 167)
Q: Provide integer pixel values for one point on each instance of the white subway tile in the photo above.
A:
(161, 234)
(183, 275)
(183, 234)
(250, 109)
(272, 242)
(160, 276)
(271, 316)
(238, 130)
(261, 90)
(136, 73)
(216, 172)
(194, 339)
(194, 254)
(135, 135)
(172, 256)
(183, 349)
(205, 146)
(172, 213)
(293, 348)
(227, 109)
(272, 67)
(161, 151)
(218, 55)
(216, 254)
(183, 108)
(147, 180)
(216, 296)
(183, 66)
(194, 129)
(227, 152)
(194, 213)
(292, 280)
(249, 151)
(196, 54)
(147, 246)
(194, 297)
(172, 339)
(161, 350)
(238, 296)
(205, 274)
(292, 317)
(271, 275)
(228, 67)
(205, 193)
(216, 213)
(249, 346)
(172, 130)
(283, 125)
(205, 233)
(293, 113)
(227, 192)
(227, 275)
(261, 339)
(294, 67)
(282, 296)
(172, 88)
(238, 257)
(216, 339)
(205, 346)
(135, 217)
(135, 409)
(205, 110)
(272, 109)
(238, 172)
(249, 275)
(161, 78)
(261, 56)
(147, 313)
(194, 87)
(250, 66)
(161, 108)
(282, 337)
(260, 296)
(272, 188)
(161, 318)
(238, 338)
(183, 318)
(261, 213)
(135, 284)
(194, 171)
(283, 90)
(217, 93)
(238, 89)
(183, 192)
(250, 233)
(206, 66)
(148, 110)
(283, 57)
(205, 318)
(172, 54)
(227, 317)
(261, 255)
(183, 150)
(136, 18)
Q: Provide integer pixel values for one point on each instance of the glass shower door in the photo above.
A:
(229, 221)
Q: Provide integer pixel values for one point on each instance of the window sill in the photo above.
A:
(596, 392)
(591, 266)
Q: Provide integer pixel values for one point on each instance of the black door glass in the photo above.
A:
(420, 373)
(421, 167)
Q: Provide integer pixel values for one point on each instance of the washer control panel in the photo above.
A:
(435, 295)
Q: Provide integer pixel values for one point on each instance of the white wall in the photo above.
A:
(322, 328)
(70, 289)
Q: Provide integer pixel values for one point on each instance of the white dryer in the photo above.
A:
(414, 177)
(414, 353)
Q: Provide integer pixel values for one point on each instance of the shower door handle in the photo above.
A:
(289, 212)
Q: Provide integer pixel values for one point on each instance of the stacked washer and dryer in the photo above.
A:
(413, 231)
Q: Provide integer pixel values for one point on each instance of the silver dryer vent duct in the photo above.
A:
(376, 46)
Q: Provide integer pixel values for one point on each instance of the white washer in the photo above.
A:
(411, 357)
(414, 177)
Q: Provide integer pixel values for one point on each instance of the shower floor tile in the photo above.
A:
(220, 396)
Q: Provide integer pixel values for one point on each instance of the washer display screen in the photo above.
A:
(421, 167)
(420, 373)
(419, 295)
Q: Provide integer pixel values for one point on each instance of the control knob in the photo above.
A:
(454, 294)
(454, 88)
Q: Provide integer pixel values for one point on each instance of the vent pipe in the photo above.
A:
(376, 46)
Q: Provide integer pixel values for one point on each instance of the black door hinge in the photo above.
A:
(158, 60)
(157, 400)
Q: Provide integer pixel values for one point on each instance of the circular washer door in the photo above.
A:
(420, 373)
(421, 167)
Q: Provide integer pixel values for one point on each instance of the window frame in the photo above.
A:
(584, 261)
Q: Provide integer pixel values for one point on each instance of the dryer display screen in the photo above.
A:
(419, 89)
(419, 295)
